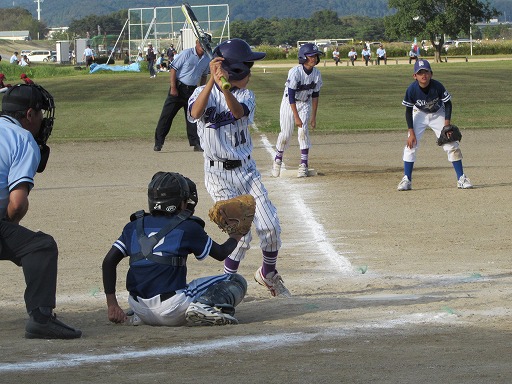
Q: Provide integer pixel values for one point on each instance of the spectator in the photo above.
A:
(24, 62)
(2, 85)
(139, 57)
(88, 56)
(336, 56)
(170, 53)
(367, 55)
(14, 58)
(161, 65)
(352, 55)
(413, 55)
(381, 55)
(151, 58)
(126, 58)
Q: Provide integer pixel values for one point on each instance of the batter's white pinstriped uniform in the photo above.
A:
(225, 141)
(304, 85)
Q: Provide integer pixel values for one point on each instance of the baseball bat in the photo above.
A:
(201, 37)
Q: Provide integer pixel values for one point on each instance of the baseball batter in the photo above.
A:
(299, 106)
(223, 118)
(428, 104)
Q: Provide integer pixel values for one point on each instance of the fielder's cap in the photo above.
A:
(421, 64)
(22, 97)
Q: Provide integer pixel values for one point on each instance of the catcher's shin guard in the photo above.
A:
(225, 295)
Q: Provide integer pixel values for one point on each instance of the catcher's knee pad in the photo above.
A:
(226, 294)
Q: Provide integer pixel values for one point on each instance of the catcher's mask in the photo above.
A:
(193, 198)
(309, 49)
(238, 57)
(166, 192)
(21, 97)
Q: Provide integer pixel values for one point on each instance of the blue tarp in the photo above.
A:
(134, 67)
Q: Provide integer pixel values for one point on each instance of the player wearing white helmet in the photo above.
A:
(223, 117)
(299, 106)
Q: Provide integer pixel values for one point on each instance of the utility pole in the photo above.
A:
(38, 8)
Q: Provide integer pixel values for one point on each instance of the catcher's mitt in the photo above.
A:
(448, 134)
(234, 215)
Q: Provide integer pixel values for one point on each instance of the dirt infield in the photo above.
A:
(388, 287)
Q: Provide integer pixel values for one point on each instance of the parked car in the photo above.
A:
(41, 56)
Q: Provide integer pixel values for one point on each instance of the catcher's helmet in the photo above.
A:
(21, 97)
(238, 57)
(309, 49)
(166, 192)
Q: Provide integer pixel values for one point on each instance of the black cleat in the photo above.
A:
(52, 329)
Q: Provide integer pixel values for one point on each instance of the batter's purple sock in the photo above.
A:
(269, 262)
(279, 156)
(230, 265)
(304, 153)
(457, 165)
(408, 165)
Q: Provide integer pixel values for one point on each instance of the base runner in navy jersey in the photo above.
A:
(223, 117)
(157, 244)
(299, 106)
(428, 104)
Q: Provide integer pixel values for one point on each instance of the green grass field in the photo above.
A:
(120, 105)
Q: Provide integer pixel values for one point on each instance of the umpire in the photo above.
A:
(189, 67)
(26, 123)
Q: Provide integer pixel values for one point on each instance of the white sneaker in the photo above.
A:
(464, 183)
(405, 184)
(276, 168)
(203, 314)
(303, 171)
(273, 282)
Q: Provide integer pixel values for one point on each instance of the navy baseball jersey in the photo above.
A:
(146, 278)
(428, 100)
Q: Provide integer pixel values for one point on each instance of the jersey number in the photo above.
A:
(242, 139)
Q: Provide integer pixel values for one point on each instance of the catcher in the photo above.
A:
(428, 104)
(157, 244)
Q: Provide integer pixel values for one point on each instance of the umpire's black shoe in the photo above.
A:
(197, 148)
(157, 148)
(52, 329)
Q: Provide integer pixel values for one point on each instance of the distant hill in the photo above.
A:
(58, 13)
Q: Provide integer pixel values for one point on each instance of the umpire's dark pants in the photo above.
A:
(36, 253)
(171, 107)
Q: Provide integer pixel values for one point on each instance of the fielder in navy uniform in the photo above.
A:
(223, 117)
(428, 104)
(25, 125)
(157, 244)
(299, 106)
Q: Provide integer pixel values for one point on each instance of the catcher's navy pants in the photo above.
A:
(36, 253)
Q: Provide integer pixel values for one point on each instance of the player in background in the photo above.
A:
(299, 106)
(428, 104)
(352, 55)
(223, 117)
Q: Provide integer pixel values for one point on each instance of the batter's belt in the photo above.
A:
(229, 164)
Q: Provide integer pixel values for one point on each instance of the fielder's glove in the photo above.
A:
(234, 215)
(448, 134)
